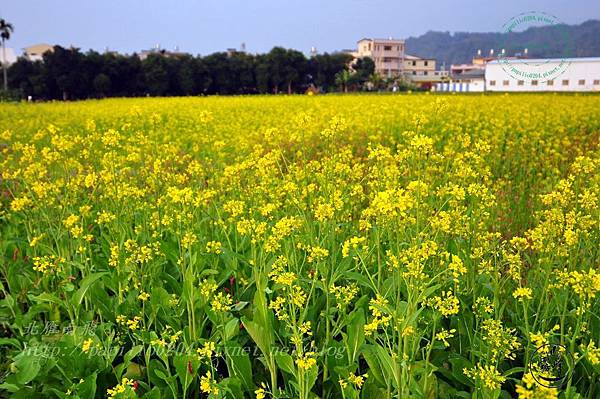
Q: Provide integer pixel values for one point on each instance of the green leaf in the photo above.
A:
(182, 364)
(129, 356)
(239, 365)
(170, 380)
(258, 335)
(285, 362)
(379, 365)
(87, 389)
(311, 377)
(85, 284)
(153, 394)
(356, 334)
(231, 328)
(28, 367)
(360, 279)
(46, 297)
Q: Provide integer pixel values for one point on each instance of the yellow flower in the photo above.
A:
(158, 342)
(208, 385)
(87, 344)
(531, 389)
(306, 361)
(522, 293)
(34, 241)
(207, 350)
(447, 304)
(488, 376)
(19, 204)
(443, 335)
(357, 380)
(125, 385)
(261, 392)
(221, 302)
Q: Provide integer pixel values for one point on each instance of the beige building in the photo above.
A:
(36, 52)
(387, 54)
(417, 66)
(422, 72)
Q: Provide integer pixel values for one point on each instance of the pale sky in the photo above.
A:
(206, 26)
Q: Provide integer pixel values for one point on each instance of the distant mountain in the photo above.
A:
(563, 40)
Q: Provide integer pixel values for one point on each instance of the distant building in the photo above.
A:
(422, 71)
(471, 80)
(36, 52)
(575, 74)
(387, 54)
(9, 56)
(470, 77)
(157, 50)
(414, 65)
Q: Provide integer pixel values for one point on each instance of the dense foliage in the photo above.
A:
(302, 246)
(68, 74)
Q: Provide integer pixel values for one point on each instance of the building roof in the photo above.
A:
(539, 60)
(415, 57)
(470, 74)
(38, 48)
(381, 40)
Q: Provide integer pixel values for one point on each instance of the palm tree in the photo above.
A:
(6, 28)
(342, 78)
(376, 80)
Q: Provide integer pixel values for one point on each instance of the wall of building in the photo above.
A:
(580, 75)
(472, 86)
(419, 66)
(386, 54)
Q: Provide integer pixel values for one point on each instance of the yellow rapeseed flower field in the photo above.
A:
(358, 246)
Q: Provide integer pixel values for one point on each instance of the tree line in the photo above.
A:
(68, 74)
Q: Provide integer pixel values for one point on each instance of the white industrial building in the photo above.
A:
(553, 74)
(468, 82)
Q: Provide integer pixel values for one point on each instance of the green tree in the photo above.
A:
(363, 69)
(65, 74)
(294, 69)
(6, 29)
(324, 67)
(102, 84)
(376, 80)
(342, 78)
(156, 73)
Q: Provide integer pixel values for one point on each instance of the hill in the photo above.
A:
(563, 40)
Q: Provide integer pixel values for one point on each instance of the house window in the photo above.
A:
(596, 82)
(534, 82)
(581, 82)
(550, 83)
(505, 82)
(425, 63)
(565, 82)
(425, 73)
(492, 83)
(414, 72)
(520, 82)
(387, 48)
(414, 63)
